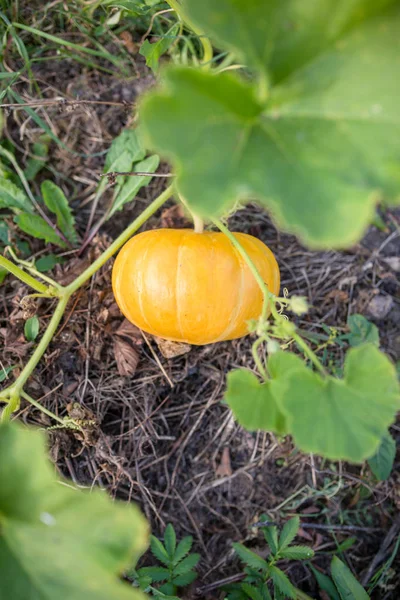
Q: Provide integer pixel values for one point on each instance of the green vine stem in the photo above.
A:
(65, 422)
(24, 277)
(268, 297)
(12, 394)
(205, 42)
(269, 301)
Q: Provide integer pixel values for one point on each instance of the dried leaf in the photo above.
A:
(127, 357)
(171, 349)
(393, 262)
(225, 468)
(130, 331)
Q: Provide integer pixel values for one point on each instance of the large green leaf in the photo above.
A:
(55, 200)
(341, 419)
(37, 227)
(322, 148)
(57, 541)
(253, 403)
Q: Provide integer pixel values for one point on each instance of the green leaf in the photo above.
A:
(185, 578)
(155, 573)
(3, 274)
(170, 540)
(153, 52)
(125, 149)
(182, 549)
(159, 551)
(31, 329)
(253, 403)
(332, 105)
(252, 592)
(346, 545)
(132, 185)
(4, 239)
(297, 553)
(37, 227)
(11, 196)
(382, 462)
(186, 564)
(289, 532)
(57, 203)
(362, 331)
(57, 541)
(250, 558)
(282, 582)
(271, 537)
(35, 163)
(4, 372)
(326, 584)
(46, 263)
(347, 585)
(341, 419)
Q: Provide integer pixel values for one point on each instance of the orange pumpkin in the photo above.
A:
(191, 287)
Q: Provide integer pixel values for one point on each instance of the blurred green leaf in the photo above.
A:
(288, 141)
(326, 584)
(31, 329)
(362, 331)
(4, 372)
(153, 52)
(125, 149)
(4, 233)
(249, 557)
(132, 185)
(11, 196)
(159, 551)
(57, 541)
(35, 163)
(48, 262)
(297, 553)
(282, 582)
(347, 585)
(37, 227)
(3, 274)
(382, 462)
(55, 200)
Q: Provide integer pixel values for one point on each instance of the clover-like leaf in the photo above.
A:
(341, 418)
(321, 149)
(153, 52)
(253, 403)
(56, 541)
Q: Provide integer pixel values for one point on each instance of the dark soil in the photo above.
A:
(175, 449)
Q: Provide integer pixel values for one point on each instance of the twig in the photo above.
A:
(323, 527)
(113, 174)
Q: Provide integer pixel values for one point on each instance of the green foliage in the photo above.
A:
(260, 573)
(346, 584)
(326, 584)
(57, 541)
(317, 410)
(37, 227)
(178, 566)
(382, 462)
(31, 329)
(35, 163)
(56, 202)
(46, 263)
(153, 52)
(12, 197)
(321, 101)
(361, 331)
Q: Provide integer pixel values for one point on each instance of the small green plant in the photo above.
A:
(176, 569)
(262, 576)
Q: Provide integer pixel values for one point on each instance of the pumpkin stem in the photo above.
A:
(198, 224)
